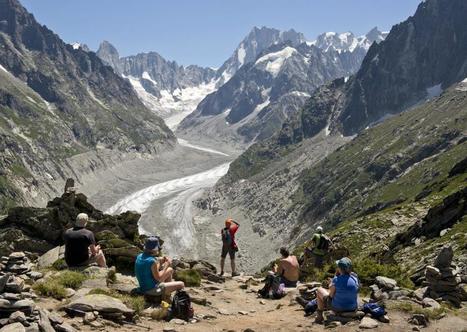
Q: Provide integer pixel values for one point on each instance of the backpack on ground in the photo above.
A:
(325, 242)
(227, 237)
(181, 306)
(273, 288)
(375, 310)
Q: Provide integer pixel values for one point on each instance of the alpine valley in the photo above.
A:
(365, 136)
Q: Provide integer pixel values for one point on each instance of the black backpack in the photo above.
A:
(181, 306)
(272, 285)
(325, 242)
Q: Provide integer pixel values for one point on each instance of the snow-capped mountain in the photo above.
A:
(347, 41)
(252, 45)
(164, 86)
(262, 94)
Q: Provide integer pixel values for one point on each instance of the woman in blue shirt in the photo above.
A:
(343, 291)
(154, 274)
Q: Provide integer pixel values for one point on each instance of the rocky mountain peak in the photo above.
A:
(109, 54)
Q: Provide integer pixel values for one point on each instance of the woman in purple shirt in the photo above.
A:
(343, 291)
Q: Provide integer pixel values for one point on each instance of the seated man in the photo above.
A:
(154, 273)
(343, 291)
(288, 268)
(80, 245)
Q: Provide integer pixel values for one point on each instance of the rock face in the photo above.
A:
(61, 102)
(443, 280)
(107, 306)
(38, 230)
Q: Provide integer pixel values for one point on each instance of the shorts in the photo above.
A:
(228, 250)
(156, 291)
(287, 283)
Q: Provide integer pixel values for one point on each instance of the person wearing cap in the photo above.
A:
(229, 246)
(80, 245)
(343, 291)
(154, 273)
(316, 252)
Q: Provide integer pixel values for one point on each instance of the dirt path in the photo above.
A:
(231, 308)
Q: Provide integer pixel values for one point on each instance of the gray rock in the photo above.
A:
(444, 258)
(178, 321)
(33, 327)
(19, 255)
(17, 317)
(3, 281)
(44, 322)
(34, 275)
(65, 328)
(419, 319)
(102, 303)
(420, 293)
(368, 323)
(15, 327)
(386, 283)
(55, 319)
(430, 303)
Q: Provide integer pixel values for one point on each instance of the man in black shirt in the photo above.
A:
(80, 245)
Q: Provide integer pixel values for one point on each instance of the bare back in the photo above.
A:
(289, 268)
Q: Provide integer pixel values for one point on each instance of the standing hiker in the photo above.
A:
(321, 247)
(228, 245)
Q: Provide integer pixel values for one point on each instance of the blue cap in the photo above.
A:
(152, 243)
(345, 264)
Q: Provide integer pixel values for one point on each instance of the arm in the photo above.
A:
(157, 272)
(332, 290)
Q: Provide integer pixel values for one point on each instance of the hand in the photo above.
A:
(98, 247)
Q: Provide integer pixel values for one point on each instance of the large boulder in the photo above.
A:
(104, 304)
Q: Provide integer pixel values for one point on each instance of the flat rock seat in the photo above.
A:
(345, 316)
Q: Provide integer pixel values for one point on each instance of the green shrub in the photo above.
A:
(59, 264)
(368, 269)
(55, 286)
(191, 278)
(50, 288)
(71, 279)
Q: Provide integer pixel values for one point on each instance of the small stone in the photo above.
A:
(262, 302)
(419, 319)
(178, 321)
(65, 328)
(89, 317)
(17, 317)
(3, 281)
(244, 313)
(17, 255)
(368, 323)
(69, 292)
(169, 329)
(55, 319)
(34, 275)
(416, 328)
(96, 324)
(223, 312)
(12, 296)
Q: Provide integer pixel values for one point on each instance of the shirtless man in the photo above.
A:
(288, 268)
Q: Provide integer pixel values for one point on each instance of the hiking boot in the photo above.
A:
(300, 300)
(221, 274)
(235, 274)
(319, 317)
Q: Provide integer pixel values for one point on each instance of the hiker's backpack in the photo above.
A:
(181, 306)
(272, 288)
(227, 237)
(375, 310)
(325, 242)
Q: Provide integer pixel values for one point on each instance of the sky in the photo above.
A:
(205, 32)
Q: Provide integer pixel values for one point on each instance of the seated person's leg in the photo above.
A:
(167, 275)
(169, 287)
(100, 259)
(321, 297)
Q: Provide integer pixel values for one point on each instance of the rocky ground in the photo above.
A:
(99, 303)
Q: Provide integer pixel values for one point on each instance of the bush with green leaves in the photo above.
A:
(56, 285)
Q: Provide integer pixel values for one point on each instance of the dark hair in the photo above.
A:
(284, 252)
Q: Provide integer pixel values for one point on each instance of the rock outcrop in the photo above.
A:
(38, 230)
